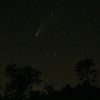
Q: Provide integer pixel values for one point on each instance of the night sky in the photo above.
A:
(49, 35)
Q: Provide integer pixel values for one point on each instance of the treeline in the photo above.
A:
(21, 80)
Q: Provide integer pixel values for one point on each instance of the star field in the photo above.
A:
(51, 36)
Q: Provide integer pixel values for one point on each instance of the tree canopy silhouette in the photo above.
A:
(20, 80)
(85, 72)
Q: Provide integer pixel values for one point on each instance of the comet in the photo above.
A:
(43, 24)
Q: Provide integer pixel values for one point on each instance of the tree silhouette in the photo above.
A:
(20, 80)
(50, 89)
(85, 72)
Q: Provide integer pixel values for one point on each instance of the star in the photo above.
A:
(47, 54)
(15, 20)
(54, 54)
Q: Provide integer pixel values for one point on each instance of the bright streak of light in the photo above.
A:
(43, 24)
